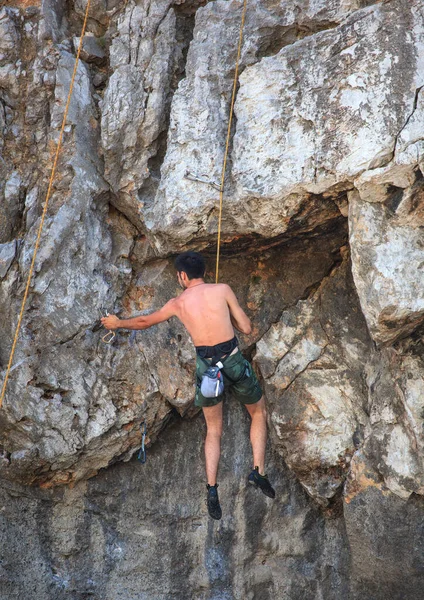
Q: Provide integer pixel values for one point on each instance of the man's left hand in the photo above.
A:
(110, 322)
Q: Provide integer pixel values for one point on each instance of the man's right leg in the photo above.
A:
(213, 418)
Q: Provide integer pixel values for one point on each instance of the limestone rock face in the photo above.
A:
(322, 244)
(309, 120)
(124, 534)
(369, 511)
(388, 257)
(342, 123)
(394, 443)
(146, 58)
(91, 50)
(184, 210)
(62, 368)
(7, 255)
(312, 362)
(90, 398)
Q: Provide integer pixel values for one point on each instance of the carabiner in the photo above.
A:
(109, 337)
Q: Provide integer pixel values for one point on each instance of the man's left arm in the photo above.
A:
(143, 321)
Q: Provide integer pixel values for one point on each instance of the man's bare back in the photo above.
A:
(209, 312)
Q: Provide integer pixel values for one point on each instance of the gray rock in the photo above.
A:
(91, 50)
(98, 9)
(11, 206)
(136, 99)
(10, 40)
(104, 537)
(7, 256)
(394, 442)
(182, 207)
(342, 122)
(330, 120)
(311, 362)
(8, 29)
(99, 79)
(54, 23)
(387, 261)
(329, 124)
(382, 566)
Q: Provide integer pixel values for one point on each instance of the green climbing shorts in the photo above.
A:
(239, 377)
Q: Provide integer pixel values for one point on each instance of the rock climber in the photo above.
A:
(210, 312)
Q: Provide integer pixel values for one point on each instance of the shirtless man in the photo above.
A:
(210, 312)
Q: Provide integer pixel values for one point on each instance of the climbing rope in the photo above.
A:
(53, 172)
(227, 143)
(43, 216)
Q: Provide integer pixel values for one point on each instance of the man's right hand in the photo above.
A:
(111, 322)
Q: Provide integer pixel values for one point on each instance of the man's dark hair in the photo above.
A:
(191, 263)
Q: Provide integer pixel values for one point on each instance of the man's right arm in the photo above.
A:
(238, 317)
(143, 321)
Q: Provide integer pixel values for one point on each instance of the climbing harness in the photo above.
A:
(212, 383)
(227, 143)
(141, 456)
(46, 203)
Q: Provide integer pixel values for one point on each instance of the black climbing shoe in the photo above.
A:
(212, 501)
(261, 481)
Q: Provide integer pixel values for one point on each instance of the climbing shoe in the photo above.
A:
(262, 482)
(212, 501)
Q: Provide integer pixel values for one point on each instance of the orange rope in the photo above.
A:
(46, 203)
(227, 143)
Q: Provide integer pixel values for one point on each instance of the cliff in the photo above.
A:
(323, 244)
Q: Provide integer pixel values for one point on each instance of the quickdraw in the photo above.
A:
(141, 456)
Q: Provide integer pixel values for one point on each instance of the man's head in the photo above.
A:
(189, 265)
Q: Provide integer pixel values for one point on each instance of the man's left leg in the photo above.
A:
(257, 413)
(245, 387)
(258, 434)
